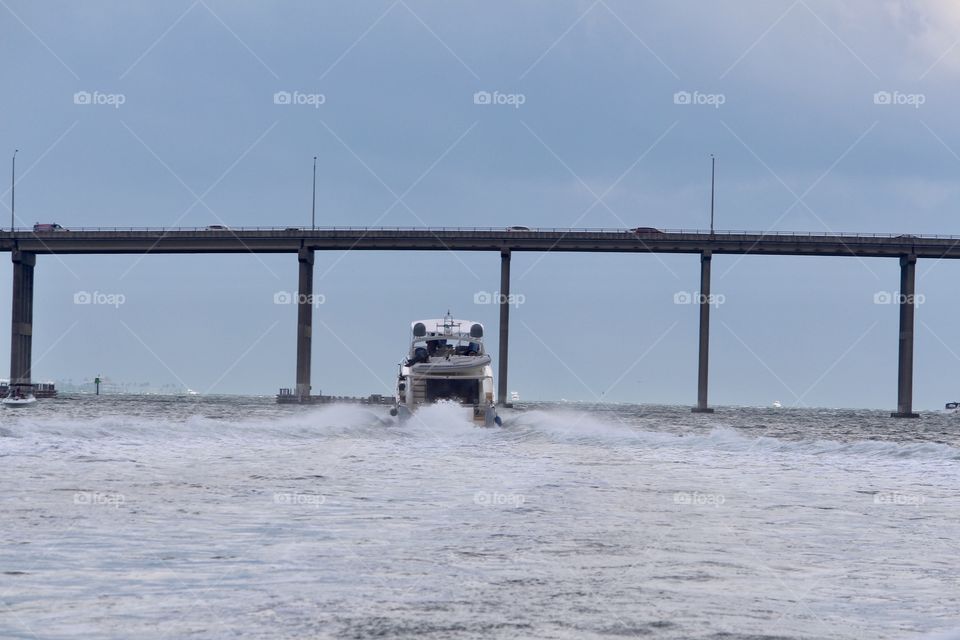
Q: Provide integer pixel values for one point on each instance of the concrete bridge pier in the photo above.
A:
(502, 398)
(908, 272)
(304, 323)
(706, 258)
(21, 326)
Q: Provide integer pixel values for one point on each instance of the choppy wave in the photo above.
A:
(604, 521)
(953, 634)
(331, 420)
(450, 422)
(586, 428)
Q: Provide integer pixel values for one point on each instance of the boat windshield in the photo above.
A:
(446, 347)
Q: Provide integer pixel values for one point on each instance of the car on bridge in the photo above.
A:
(47, 226)
(647, 231)
(518, 227)
(217, 227)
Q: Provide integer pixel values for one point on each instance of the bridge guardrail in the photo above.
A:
(533, 230)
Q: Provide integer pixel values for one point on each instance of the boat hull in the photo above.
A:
(16, 404)
(481, 416)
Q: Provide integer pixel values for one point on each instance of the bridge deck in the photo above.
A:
(289, 240)
(26, 244)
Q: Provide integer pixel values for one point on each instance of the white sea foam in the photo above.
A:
(205, 519)
(443, 420)
(589, 428)
(210, 520)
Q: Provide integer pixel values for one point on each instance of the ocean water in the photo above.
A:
(237, 518)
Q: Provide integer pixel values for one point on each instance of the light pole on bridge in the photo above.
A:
(713, 179)
(13, 186)
(313, 208)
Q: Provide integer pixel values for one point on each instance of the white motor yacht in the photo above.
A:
(447, 362)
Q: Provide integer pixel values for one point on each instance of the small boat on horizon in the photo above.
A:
(447, 362)
(17, 399)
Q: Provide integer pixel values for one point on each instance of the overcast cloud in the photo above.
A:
(825, 116)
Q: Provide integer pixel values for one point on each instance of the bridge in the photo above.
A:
(25, 245)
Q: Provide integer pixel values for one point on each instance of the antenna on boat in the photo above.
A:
(713, 181)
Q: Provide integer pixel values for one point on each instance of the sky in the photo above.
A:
(824, 116)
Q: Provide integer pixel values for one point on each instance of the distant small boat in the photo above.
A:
(777, 404)
(952, 407)
(514, 396)
(14, 402)
(191, 392)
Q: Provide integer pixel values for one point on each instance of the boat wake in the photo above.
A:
(400, 529)
(587, 428)
(439, 418)
(448, 421)
(332, 420)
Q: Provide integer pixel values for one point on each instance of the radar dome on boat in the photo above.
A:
(476, 330)
(419, 330)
